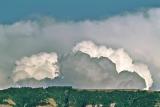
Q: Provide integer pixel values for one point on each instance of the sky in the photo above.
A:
(11, 11)
(85, 44)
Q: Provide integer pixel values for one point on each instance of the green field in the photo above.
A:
(69, 97)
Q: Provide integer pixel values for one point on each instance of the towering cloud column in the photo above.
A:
(39, 66)
(119, 57)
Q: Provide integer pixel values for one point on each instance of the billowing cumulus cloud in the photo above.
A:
(119, 57)
(39, 66)
(95, 73)
(137, 33)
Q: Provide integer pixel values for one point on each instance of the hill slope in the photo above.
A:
(69, 97)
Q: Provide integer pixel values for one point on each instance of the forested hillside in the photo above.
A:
(69, 97)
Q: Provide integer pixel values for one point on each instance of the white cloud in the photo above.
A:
(39, 66)
(119, 57)
(137, 33)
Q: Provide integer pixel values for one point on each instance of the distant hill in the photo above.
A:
(69, 97)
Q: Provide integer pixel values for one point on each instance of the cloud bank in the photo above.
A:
(137, 33)
(119, 57)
